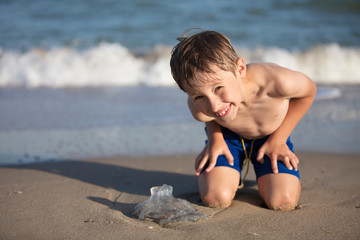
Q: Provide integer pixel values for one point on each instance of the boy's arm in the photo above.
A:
(216, 144)
(301, 90)
(215, 147)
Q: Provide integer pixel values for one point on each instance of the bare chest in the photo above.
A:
(260, 118)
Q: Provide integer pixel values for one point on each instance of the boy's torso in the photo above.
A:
(262, 113)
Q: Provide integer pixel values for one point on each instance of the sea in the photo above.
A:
(91, 79)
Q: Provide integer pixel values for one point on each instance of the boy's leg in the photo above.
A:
(280, 191)
(218, 187)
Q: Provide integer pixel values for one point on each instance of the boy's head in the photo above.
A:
(197, 53)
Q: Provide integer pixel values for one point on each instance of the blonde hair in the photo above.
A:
(195, 54)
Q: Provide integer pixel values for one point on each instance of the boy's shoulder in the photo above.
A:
(262, 73)
(272, 78)
(264, 67)
(275, 79)
(270, 69)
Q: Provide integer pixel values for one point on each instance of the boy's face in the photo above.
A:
(217, 94)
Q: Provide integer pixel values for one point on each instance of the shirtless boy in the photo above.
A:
(250, 111)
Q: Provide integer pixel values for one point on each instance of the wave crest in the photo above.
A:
(115, 65)
(325, 64)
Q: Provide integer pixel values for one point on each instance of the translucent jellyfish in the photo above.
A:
(164, 208)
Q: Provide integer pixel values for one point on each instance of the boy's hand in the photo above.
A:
(210, 153)
(278, 151)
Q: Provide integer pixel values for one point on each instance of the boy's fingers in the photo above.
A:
(273, 161)
(229, 157)
(286, 162)
(260, 156)
(200, 163)
(200, 157)
(197, 162)
(199, 168)
(212, 163)
(294, 162)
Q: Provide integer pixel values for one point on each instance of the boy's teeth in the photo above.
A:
(223, 112)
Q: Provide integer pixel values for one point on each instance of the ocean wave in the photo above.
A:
(325, 64)
(115, 65)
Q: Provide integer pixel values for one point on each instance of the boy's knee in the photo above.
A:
(218, 199)
(282, 202)
(280, 191)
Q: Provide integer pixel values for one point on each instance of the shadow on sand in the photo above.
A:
(131, 181)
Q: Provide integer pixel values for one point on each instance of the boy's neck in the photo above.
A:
(249, 89)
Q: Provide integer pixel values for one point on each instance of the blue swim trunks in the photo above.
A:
(235, 146)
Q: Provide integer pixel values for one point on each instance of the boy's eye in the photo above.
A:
(218, 88)
(197, 98)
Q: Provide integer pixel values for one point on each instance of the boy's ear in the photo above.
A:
(241, 67)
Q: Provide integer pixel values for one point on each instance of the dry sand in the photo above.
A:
(92, 199)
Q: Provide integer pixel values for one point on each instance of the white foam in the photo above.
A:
(114, 65)
(325, 64)
(104, 65)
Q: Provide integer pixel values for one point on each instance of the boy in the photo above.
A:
(248, 114)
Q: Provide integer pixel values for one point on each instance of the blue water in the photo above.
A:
(140, 24)
(92, 78)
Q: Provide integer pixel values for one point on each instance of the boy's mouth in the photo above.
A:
(224, 112)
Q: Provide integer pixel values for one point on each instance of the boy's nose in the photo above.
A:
(213, 104)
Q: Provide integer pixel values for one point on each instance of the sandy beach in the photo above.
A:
(91, 117)
(93, 199)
